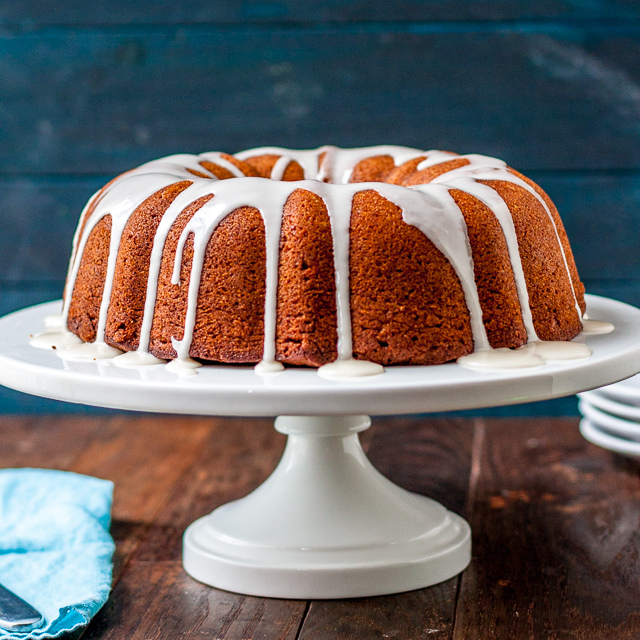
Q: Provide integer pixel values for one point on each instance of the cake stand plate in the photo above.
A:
(326, 524)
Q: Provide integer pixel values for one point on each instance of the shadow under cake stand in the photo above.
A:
(325, 524)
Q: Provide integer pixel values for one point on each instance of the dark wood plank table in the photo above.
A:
(556, 525)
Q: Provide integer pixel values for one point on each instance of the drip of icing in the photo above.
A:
(559, 350)
(183, 366)
(325, 170)
(216, 158)
(133, 190)
(307, 159)
(338, 164)
(502, 358)
(436, 157)
(498, 206)
(136, 359)
(486, 168)
(590, 327)
(203, 224)
(339, 209)
(448, 232)
(88, 352)
(265, 367)
(55, 320)
(182, 201)
(54, 338)
(343, 161)
(350, 368)
(533, 354)
(280, 167)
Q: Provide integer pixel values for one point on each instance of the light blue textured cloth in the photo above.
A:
(55, 547)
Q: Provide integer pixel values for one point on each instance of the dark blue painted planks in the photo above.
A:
(100, 101)
(38, 218)
(32, 13)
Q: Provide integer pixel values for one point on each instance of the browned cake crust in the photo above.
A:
(394, 269)
(131, 274)
(229, 323)
(502, 316)
(84, 308)
(564, 239)
(551, 296)
(407, 303)
(171, 300)
(263, 165)
(306, 325)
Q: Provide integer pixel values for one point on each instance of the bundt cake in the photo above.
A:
(384, 255)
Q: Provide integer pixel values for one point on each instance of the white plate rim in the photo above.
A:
(604, 403)
(611, 424)
(223, 390)
(622, 393)
(592, 434)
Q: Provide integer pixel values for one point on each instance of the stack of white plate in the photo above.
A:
(611, 417)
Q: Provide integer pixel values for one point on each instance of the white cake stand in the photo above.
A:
(326, 524)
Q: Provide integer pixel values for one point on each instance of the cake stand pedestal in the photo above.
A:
(326, 524)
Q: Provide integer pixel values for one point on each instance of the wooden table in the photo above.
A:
(555, 522)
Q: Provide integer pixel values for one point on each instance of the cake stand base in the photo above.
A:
(326, 524)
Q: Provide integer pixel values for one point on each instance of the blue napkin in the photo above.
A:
(55, 547)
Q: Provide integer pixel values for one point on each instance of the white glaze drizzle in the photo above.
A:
(338, 164)
(55, 320)
(491, 198)
(136, 359)
(436, 157)
(183, 366)
(486, 168)
(523, 358)
(592, 327)
(266, 368)
(133, 190)
(88, 351)
(217, 158)
(277, 173)
(447, 230)
(54, 338)
(350, 369)
(533, 354)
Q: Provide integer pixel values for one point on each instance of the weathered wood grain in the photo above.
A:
(555, 523)
(556, 532)
(236, 456)
(416, 615)
(46, 442)
(144, 456)
(431, 457)
(103, 100)
(157, 600)
(32, 13)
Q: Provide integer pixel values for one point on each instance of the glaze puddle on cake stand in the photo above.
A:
(326, 524)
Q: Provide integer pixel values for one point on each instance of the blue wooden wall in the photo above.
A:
(88, 90)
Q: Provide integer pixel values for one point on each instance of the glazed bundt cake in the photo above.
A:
(385, 255)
